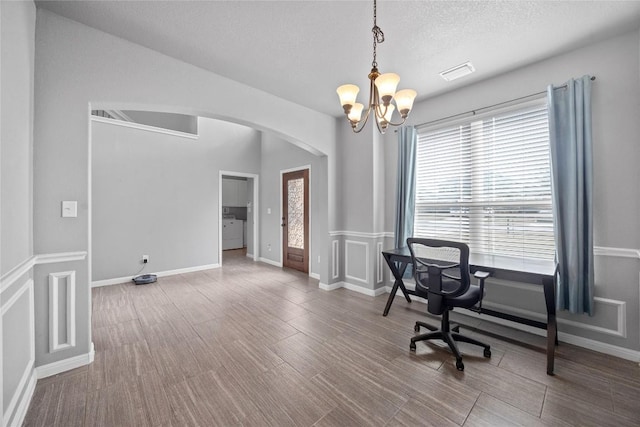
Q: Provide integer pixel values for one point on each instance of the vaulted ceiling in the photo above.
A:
(302, 50)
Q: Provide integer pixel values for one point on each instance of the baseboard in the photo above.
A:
(271, 262)
(356, 288)
(331, 287)
(249, 255)
(126, 279)
(601, 347)
(363, 290)
(314, 276)
(64, 365)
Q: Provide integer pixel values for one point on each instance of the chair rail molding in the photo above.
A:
(21, 269)
(361, 234)
(616, 252)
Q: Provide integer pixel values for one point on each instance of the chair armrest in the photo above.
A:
(481, 276)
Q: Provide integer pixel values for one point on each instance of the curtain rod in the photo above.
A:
(477, 110)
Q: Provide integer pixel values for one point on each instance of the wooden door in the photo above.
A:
(295, 220)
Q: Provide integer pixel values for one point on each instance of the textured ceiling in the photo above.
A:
(302, 50)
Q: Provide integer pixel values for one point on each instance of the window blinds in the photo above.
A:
(486, 182)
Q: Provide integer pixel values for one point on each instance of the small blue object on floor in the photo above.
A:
(145, 279)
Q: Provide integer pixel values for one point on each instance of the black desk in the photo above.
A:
(536, 272)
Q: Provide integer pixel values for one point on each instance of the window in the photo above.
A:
(486, 181)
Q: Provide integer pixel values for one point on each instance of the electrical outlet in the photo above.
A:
(145, 259)
(269, 247)
(318, 259)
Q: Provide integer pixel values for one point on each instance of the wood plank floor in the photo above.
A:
(251, 344)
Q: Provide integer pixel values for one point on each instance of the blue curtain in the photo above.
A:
(572, 187)
(406, 185)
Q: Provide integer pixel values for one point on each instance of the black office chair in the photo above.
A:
(441, 272)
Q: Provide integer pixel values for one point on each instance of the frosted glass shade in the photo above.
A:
(404, 100)
(348, 94)
(356, 112)
(387, 84)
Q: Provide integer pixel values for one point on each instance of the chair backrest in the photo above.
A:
(434, 260)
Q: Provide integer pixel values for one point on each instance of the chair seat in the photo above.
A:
(466, 300)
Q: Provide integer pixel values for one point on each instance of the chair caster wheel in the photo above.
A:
(416, 328)
(412, 346)
(487, 352)
(459, 365)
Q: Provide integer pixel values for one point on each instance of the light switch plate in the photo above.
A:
(69, 209)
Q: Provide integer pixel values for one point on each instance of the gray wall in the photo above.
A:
(616, 108)
(77, 69)
(17, 49)
(278, 155)
(357, 240)
(157, 194)
(17, 133)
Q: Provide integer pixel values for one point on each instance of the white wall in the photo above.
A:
(157, 194)
(616, 109)
(17, 375)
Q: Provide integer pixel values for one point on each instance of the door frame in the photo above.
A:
(282, 172)
(254, 207)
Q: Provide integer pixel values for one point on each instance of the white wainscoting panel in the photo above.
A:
(348, 260)
(21, 396)
(335, 259)
(55, 280)
(381, 262)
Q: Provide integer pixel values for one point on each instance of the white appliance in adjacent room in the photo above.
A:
(244, 234)
(232, 233)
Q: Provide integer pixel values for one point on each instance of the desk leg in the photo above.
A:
(397, 274)
(552, 326)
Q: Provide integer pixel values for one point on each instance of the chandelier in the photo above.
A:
(382, 90)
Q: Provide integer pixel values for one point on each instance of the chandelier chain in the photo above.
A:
(378, 35)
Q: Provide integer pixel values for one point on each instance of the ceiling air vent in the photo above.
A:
(458, 71)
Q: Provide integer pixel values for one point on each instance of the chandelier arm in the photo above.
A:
(379, 111)
(380, 129)
(390, 122)
(374, 101)
(362, 123)
(397, 124)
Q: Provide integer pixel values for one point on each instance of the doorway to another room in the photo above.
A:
(295, 220)
(238, 222)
